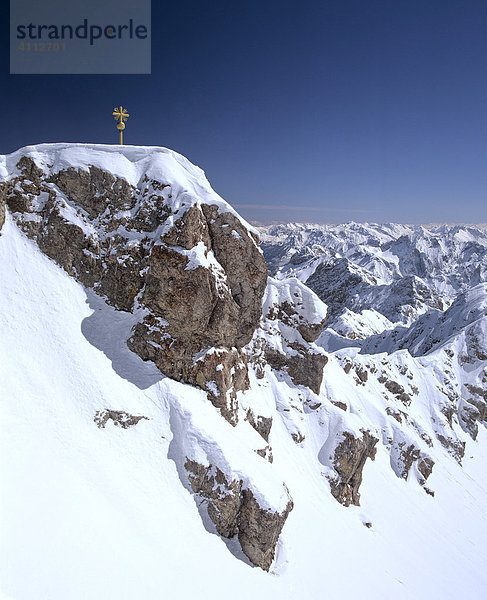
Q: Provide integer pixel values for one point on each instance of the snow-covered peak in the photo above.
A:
(401, 271)
(133, 164)
(436, 329)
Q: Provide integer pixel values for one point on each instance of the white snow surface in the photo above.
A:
(89, 513)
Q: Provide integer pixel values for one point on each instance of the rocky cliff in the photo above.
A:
(191, 269)
(144, 230)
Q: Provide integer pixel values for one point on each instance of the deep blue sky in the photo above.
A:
(325, 111)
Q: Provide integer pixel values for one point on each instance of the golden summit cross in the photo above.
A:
(120, 115)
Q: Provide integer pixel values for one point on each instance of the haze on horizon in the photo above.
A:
(343, 111)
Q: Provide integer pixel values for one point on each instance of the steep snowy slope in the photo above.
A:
(102, 491)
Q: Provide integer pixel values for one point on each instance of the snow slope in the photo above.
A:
(102, 514)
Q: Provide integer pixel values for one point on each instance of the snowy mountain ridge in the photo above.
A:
(401, 271)
(173, 410)
(417, 294)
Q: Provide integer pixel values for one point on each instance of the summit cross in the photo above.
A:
(120, 115)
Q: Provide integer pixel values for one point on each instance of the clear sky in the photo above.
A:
(325, 111)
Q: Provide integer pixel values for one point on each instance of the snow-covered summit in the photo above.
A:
(133, 164)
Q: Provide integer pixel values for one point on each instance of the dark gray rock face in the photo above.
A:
(259, 530)
(244, 265)
(454, 446)
(75, 216)
(104, 232)
(396, 389)
(425, 468)
(223, 496)
(234, 510)
(473, 410)
(342, 284)
(348, 462)
(304, 368)
(261, 424)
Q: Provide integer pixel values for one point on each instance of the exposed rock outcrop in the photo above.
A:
(473, 410)
(143, 229)
(79, 218)
(234, 510)
(261, 424)
(194, 269)
(348, 462)
(396, 389)
(244, 266)
(266, 453)
(425, 468)
(292, 320)
(304, 367)
(259, 529)
(453, 445)
(119, 418)
(404, 455)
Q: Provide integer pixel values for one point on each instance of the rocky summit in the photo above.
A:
(187, 397)
(192, 270)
